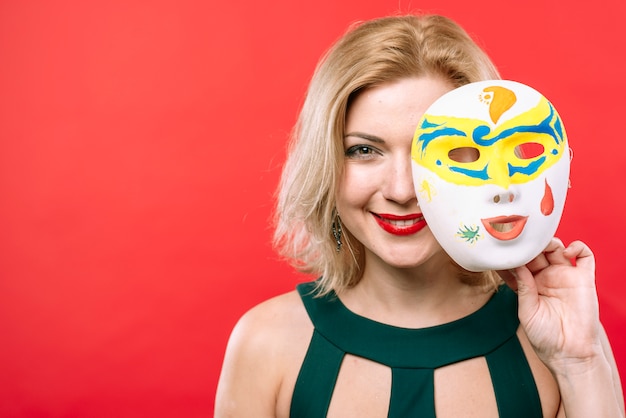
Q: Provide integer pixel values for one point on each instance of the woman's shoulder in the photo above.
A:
(265, 347)
(279, 314)
(272, 329)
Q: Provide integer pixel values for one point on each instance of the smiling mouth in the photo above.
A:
(400, 225)
(505, 228)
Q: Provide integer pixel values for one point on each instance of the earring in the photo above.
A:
(336, 229)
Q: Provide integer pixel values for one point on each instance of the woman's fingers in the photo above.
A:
(552, 254)
(527, 293)
(509, 278)
(581, 254)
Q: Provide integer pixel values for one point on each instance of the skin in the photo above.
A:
(408, 281)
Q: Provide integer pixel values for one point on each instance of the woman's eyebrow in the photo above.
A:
(368, 137)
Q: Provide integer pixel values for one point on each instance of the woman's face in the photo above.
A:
(376, 199)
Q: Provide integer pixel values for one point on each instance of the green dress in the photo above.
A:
(413, 355)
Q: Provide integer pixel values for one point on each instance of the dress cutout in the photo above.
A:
(413, 355)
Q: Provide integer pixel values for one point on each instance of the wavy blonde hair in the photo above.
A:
(370, 53)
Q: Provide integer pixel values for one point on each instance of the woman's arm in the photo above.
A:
(617, 384)
(592, 387)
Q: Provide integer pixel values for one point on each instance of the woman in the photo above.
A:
(393, 327)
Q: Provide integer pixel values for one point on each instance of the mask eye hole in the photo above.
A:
(529, 150)
(464, 154)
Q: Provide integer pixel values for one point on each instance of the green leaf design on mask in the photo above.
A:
(469, 233)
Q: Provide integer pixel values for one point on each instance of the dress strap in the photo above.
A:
(412, 393)
(513, 381)
(317, 378)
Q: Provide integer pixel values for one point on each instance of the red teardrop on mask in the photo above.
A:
(547, 203)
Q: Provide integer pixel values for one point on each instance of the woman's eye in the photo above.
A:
(360, 151)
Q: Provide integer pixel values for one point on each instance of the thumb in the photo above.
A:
(527, 293)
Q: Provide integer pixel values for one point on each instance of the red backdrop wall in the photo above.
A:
(141, 142)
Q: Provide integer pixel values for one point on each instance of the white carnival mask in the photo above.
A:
(491, 171)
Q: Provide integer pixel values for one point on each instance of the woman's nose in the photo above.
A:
(398, 181)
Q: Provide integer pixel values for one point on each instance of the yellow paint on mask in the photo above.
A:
(427, 190)
(499, 161)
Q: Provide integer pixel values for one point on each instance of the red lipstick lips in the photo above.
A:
(400, 225)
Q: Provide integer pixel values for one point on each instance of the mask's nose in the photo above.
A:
(506, 196)
(498, 170)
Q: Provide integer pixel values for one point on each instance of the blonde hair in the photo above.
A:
(369, 54)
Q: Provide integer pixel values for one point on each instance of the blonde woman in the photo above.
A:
(393, 327)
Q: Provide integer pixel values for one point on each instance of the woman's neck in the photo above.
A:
(424, 296)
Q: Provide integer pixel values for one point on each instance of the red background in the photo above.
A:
(141, 142)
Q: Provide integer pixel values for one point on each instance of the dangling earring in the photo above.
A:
(336, 228)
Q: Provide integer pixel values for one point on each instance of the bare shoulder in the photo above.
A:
(279, 310)
(264, 348)
(272, 322)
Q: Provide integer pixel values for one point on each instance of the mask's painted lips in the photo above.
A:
(505, 228)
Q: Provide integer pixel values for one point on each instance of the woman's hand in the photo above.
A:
(558, 310)
(558, 305)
